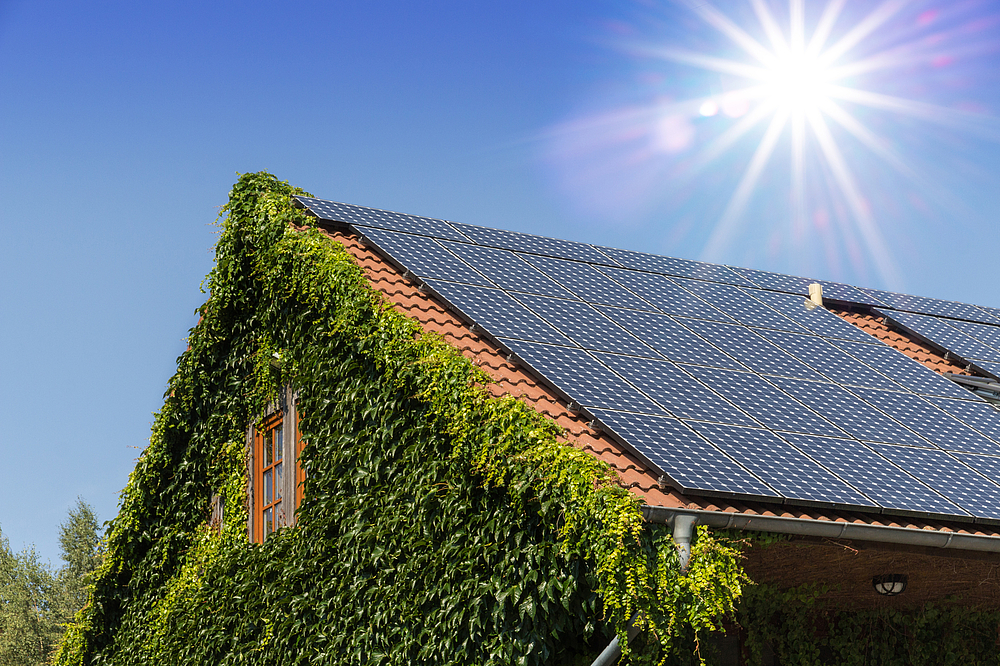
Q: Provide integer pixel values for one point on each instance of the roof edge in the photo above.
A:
(826, 528)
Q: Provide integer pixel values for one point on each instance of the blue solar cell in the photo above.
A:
(507, 269)
(923, 418)
(764, 402)
(775, 281)
(988, 466)
(671, 339)
(949, 337)
(586, 326)
(818, 320)
(780, 465)
(425, 257)
(736, 303)
(688, 460)
(988, 335)
(383, 219)
(931, 306)
(850, 412)
(873, 475)
(974, 413)
(902, 369)
(990, 368)
(498, 313)
(550, 247)
(588, 283)
(751, 349)
(682, 395)
(947, 475)
(987, 315)
(580, 376)
(833, 363)
(696, 270)
(667, 295)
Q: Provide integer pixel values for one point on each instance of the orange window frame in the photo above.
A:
(269, 461)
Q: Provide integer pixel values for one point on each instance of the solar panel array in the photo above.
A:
(720, 377)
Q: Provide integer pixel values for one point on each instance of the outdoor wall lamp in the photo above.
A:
(889, 584)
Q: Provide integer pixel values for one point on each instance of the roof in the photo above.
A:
(712, 387)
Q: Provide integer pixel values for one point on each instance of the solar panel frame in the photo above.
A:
(497, 312)
(507, 270)
(333, 211)
(588, 283)
(690, 462)
(587, 327)
(949, 476)
(664, 334)
(679, 393)
(424, 257)
(874, 475)
(581, 377)
(532, 244)
(781, 466)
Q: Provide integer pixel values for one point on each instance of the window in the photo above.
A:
(276, 476)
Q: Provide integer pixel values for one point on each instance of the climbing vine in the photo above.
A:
(438, 524)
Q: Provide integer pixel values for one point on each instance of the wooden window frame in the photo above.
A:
(283, 416)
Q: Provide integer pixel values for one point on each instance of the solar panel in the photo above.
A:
(688, 460)
(507, 269)
(818, 320)
(988, 466)
(833, 363)
(902, 369)
(775, 281)
(781, 466)
(989, 335)
(940, 333)
(550, 247)
(383, 219)
(580, 376)
(850, 412)
(681, 394)
(976, 414)
(764, 402)
(586, 326)
(696, 270)
(987, 315)
(498, 313)
(425, 257)
(736, 303)
(931, 306)
(991, 368)
(845, 292)
(921, 417)
(945, 474)
(588, 283)
(875, 476)
(750, 349)
(671, 339)
(667, 295)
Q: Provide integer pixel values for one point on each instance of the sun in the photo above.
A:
(797, 83)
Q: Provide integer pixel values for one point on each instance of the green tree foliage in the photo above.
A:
(438, 525)
(36, 604)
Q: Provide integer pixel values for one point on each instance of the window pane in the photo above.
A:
(279, 442)
(267, 488)
(277, 481)
(268, 447)
(268, 523)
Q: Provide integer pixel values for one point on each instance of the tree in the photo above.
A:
(37, 604)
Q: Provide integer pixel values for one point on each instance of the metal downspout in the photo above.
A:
(683, 529)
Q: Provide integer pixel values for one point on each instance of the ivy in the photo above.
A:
(438, 524)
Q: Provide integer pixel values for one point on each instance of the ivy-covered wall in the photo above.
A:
(438, 524)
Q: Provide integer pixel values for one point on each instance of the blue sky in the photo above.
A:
(122, 127)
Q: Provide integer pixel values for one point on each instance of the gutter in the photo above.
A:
(683, 521)
(829, 529)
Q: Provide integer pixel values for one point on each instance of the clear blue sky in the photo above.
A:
(122, 127)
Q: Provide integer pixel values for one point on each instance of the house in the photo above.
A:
(850, 433)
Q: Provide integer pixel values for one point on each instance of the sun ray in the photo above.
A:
(825, 25)
(796, 25)
(879, 15)
(867, 137)
(859, 208)
(798, 176)
(717, 20)
(942, 115)
(724, 141)
(720, 65)
(720, 237)
(771, 28)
